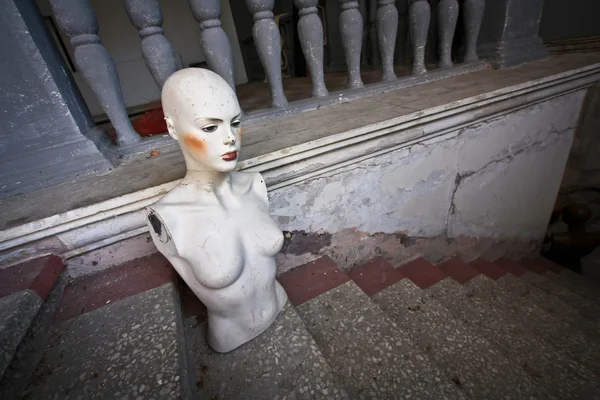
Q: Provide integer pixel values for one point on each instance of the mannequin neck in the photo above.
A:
(207, 179)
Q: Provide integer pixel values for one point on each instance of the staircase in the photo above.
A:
(481, 330)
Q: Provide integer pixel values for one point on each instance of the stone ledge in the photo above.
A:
(343, 136)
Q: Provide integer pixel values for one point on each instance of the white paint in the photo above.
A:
(513, 193)
(214, 226)
(405, 190)
(370, 148)
(328, 196)
(122, 41)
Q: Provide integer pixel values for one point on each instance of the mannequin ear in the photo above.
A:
(171, 128)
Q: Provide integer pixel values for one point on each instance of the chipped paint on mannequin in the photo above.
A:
(214, 227)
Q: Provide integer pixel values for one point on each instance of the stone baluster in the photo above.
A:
(387, 29)
(310, 32)
(473, 16)
(158, 53)
(267, 40)
(77, 20)
(215, 43)
(419, 18)
(447, 17)
(351, 27)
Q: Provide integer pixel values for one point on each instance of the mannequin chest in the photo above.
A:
(221, 242)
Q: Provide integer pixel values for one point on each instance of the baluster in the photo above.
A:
(215, 43)
(419, 18)
(351, 27)
(267, 40)
(473, 16)
(158, 53)
(77, 20)
(310, 32)
(387, 28)
(447, 16)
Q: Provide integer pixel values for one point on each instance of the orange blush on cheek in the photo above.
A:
(195, 144)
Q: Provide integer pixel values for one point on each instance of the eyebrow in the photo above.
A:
(213, 120)
(216, 120)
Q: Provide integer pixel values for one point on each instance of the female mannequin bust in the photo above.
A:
(214, 227)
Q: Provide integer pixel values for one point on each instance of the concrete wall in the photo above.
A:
(121, 39)
(46, 134)
(581, 182)
(571, 19)
(497, 179)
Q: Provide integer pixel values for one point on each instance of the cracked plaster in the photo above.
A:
(510, 168)
(498, 178)
(382, 194)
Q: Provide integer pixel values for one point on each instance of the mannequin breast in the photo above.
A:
(224, 242)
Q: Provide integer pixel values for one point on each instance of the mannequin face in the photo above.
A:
(203, 114)
(213, 141)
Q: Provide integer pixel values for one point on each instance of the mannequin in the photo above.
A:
(214, 226)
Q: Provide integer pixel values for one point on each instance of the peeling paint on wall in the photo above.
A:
(498, 178)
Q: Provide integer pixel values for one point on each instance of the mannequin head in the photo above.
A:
(203, 114)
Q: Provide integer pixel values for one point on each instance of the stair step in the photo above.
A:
(23, 289)
(116, 334)
(558, 287)
(118, 283)
(371, 355)
(283, 362)
(29, 352)
(123, 350)
(477, 305)
(17, 312)
(458, 270)
(573, 281)
(550, 303)
(481, 369)
(488, 269)
(422, 273)
(562, 336)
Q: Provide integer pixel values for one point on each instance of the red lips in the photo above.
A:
(231, 156)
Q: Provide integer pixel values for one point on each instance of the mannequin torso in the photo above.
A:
(222, 243)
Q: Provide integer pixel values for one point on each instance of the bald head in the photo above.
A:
(194, 93)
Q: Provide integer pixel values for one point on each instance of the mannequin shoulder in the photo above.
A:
(159, 231)
(252, 181)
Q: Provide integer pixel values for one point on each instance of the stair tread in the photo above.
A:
(283, 362)
(457, 270)
(467, 357)
(560, 334)
(370, 354)
(17, 312)
(125, 349)
(575, 282)
(551, 303)
(29, 352)
(37, 275)
(489, 269)
(120, 282)
(23, 289)
(585, 306)
(477, 306)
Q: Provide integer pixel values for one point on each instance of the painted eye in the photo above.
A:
(236, 123)
(209, 128)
